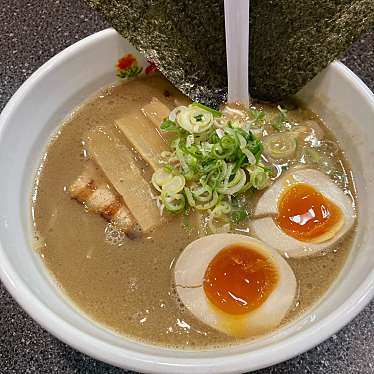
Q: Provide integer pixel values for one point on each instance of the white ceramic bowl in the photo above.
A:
(34, 113)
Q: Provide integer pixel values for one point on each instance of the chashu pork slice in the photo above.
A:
(93, 190)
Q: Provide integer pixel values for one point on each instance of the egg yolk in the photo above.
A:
(305, 214)
(239, 279)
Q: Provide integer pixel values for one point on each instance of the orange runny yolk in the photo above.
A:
(305, 214)
(239, 279)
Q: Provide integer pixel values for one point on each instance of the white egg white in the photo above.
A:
(189, 274)
(267, 230)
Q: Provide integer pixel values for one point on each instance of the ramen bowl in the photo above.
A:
(34, 114)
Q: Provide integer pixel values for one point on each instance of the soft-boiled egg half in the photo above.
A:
(235, 284)
(302, 213)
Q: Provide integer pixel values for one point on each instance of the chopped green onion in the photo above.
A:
(258, 117)
(235, 185)
(311, 156)
(160, 178)
(209, 204)
(243, 147)
(220, 213)
(278, 123)
(222, 209)
(168, 125)
(194, 120)
(279, 146)
(259, 178)
(213, 159)
(175, 184)
(189, 197)
(214, 112)
(168, 169)
(203, 193)
(239, 215)
(174, 203)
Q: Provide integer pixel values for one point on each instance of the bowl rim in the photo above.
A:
(300, 342)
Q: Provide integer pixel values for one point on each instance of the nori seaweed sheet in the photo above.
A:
(290, 40)
(293, 40)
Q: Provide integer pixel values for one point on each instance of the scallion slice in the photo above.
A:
(214, 112)
(213, 159)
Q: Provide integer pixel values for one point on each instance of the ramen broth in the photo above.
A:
(127, 284)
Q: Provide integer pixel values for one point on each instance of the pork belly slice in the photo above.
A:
(92, 190)
(117, 163)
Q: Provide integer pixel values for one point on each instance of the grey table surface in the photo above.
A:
(31, 32)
